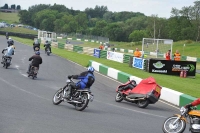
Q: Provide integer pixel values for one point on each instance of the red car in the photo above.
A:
(145, 93)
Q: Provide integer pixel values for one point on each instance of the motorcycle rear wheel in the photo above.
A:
(83, 105)
(57, 98)
(118, 97)
(143, 103)
(178, 127)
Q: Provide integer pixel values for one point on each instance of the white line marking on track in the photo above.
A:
(14, 86)
(20, 71)
(133, 110)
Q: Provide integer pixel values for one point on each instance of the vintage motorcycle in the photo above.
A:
(33, 72)
(36, 49)
(80, 98)
(6, 61)
(47, 51)
(177, 123)
(145, 93)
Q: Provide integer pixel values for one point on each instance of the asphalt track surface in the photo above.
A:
(26, 105)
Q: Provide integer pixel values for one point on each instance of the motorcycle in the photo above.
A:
(33, 72)
(177, 122)
(80, 98)
(48, 51)
(36, 49)
(6, 61)
(145, 93)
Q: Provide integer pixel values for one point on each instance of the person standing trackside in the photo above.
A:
(137, 53)
(168, 55)
(177, 56)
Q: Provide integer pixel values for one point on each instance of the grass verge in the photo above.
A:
(185, 85)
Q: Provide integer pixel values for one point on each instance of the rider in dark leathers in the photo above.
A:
(87, 78)
(36, 61)
(47, 45)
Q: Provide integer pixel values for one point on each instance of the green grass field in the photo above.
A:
(11, 18)
(185, 85)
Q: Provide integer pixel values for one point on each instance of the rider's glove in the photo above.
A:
(70, 76)
(188, 106)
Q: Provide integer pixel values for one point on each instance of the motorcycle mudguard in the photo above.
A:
(182, 118)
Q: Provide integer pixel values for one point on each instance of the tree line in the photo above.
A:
(184, 24)
(13, 6)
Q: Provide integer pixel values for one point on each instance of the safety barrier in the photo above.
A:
(169, 95)
(61, 45)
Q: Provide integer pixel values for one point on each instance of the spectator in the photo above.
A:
(113, 49)
(167, 55)
(101, 47)
(137, 53)
(177, 56)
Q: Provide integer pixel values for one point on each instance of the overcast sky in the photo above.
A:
(160, 7)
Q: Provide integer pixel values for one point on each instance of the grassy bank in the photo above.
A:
(185, 85)
(9, 17)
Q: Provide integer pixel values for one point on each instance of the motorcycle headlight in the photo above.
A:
(68, 81)
(183, 110)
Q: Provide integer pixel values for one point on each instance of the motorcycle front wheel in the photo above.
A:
(118, 97)
(83, 105)
(169, 127)
(57, 98)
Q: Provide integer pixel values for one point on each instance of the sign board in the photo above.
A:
(115, 56)
(96, 53)
(171, 67)
(138, 63)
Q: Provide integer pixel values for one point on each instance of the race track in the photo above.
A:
(26, 105)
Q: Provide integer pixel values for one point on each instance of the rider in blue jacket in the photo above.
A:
(87, 78)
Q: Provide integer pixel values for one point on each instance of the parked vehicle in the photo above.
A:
(177, 122)
(145, 93)
(80, 98)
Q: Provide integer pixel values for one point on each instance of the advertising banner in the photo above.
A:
(138, 63)
(172, 67)
(96, 53)
(115, 56)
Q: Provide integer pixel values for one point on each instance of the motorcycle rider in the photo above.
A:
(10, 42)
(8, 52)
(36, 44)
(87, 78)
(194, 103)
(47, 45)
(36, 61)
(131, 85)
(7, 36)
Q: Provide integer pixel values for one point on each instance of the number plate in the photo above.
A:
(158, 89)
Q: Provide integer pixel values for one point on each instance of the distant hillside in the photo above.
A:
(9, 17)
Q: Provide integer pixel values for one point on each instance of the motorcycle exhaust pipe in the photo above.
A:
(73, 102)
(143, 98)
